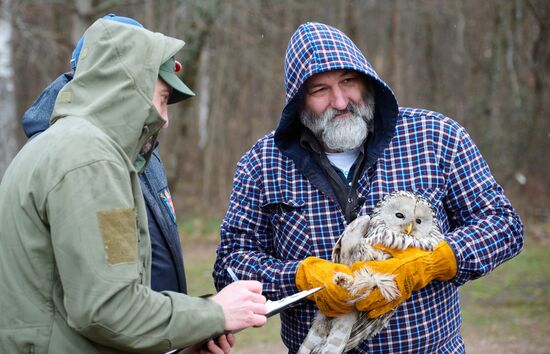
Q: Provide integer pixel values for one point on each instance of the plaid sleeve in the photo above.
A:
(246, 243)
(486, 229)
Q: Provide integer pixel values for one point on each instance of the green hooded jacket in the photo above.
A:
(75, 254)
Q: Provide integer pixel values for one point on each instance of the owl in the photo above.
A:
(400, 220)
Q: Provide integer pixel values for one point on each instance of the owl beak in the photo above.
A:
(409, 228)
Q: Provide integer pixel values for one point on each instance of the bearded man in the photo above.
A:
(342, 144)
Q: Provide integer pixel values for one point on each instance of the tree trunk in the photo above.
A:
(8, 121)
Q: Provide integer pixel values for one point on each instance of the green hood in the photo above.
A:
(114, 83)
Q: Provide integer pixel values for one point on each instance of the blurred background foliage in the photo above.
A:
(484, 63)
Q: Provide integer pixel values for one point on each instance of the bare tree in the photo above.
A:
(484, 64)
(8, 125)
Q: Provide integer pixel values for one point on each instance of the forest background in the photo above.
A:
(485, 64)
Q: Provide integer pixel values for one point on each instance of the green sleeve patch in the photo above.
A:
(65, 97)
(119, 233)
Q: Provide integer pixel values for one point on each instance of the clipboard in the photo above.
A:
(274, 307)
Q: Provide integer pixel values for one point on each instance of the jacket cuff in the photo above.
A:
(444, 262)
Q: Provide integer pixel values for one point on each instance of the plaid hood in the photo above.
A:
(315, 48)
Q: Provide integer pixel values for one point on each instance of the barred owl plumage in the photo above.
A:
(400, 220)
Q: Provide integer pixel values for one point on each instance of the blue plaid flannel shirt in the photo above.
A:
(279, 214)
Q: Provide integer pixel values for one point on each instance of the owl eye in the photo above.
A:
(400, 216)
(418, 221)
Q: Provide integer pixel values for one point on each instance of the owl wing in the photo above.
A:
(365, 328)
(337, 250)
(345, 249)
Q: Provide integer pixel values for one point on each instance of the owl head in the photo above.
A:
(406, 218)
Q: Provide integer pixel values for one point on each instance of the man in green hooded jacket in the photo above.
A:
(75, 254)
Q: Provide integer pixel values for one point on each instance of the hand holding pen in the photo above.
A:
(275, 307)
(243, 304)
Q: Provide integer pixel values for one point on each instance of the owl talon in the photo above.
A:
(384, 282)
(343, 280)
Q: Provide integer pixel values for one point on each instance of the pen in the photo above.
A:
(232, 274)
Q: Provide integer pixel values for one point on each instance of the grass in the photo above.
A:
(509, 308)
(195, 227)
(513, 301)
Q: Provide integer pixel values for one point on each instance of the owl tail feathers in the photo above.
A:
(316, 336)
(340, 333)
(328, 335)
(365, 281)
(311, 344)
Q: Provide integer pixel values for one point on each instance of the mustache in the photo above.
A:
(350, 108)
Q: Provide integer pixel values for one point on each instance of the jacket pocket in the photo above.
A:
(32, 339)
(290, 229)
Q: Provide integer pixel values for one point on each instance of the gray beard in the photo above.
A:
(340, 135)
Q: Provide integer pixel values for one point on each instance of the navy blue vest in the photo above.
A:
(167, 269)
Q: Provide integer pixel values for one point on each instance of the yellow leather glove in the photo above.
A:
(333, 299)
(413, 269)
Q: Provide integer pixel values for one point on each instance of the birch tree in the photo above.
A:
(8, 122)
